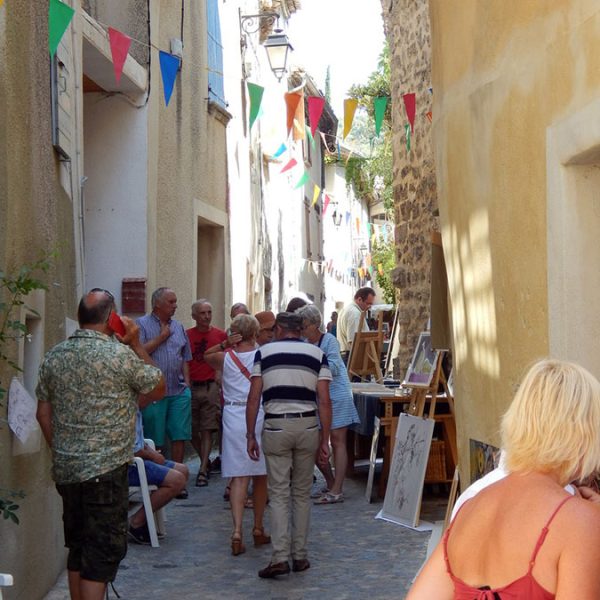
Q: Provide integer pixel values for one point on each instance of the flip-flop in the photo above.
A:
(202, 480)
(330, 498)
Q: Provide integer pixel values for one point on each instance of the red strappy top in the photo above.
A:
(525, 587)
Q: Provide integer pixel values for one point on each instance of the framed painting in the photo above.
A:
(423, 364)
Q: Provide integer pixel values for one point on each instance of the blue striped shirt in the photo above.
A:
(171, 354)
(290, 370)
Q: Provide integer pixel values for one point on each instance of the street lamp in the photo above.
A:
(277, 44)
(278, 47)
(363, 250)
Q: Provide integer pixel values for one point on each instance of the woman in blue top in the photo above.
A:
(342, 405)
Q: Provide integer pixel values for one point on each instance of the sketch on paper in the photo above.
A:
(402, 501)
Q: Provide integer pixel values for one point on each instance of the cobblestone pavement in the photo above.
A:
(352, 554)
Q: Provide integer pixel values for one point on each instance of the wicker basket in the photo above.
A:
(436, 465)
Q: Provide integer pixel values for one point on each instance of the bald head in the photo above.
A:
(95, 308)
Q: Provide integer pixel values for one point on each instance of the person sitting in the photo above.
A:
(170, 478)
(525, 536)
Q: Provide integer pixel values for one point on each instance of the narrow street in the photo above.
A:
(352, 554)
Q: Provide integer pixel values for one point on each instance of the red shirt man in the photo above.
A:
(206, 402)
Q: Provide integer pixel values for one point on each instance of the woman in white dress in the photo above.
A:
(235, 364)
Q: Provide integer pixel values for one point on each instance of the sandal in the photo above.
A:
(237, 547)
(227, 493)
(319, 493)
(260, 539)
(202, 479)
(249, 502)
(330, 498)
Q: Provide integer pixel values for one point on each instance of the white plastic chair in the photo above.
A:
(155, 521)
(6, 580)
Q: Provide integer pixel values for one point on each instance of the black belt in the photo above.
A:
(309, 413)
(199, 383)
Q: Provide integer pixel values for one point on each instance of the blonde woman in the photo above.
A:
(525, 537)
(235, 364)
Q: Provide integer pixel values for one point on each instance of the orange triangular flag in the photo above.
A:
(350, 105)
(291, 101)
(429, 116)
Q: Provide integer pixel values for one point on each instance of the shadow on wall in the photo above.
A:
(470, 285)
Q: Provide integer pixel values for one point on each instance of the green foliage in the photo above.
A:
(382, 253)
(14, 288)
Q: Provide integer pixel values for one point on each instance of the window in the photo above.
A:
(216, 93)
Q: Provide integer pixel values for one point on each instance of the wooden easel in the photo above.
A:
(365, 353)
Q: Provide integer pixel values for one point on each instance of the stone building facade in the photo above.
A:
(406, 24)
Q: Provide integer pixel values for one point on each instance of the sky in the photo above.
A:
(346, 34)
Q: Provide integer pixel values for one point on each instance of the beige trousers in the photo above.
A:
(290, 446)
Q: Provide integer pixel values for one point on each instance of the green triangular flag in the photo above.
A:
(310, 137)
(407, 132)
(379, 104)
(256, 94)
(59, 17)
(302, 181)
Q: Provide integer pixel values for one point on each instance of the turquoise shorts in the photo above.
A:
(171, 416)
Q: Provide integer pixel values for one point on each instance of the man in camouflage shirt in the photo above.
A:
(88, 395)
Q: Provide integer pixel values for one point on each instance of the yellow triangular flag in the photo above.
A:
(350, 105)
(316, 192)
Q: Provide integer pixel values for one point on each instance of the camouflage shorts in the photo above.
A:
(95, 524)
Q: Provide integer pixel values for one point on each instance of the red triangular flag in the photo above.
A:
(410, 103)
(326, 203)
(315, 109)
(291, 101)
(119, 47)
(289, 166)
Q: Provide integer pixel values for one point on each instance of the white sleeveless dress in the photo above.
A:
(235, 461)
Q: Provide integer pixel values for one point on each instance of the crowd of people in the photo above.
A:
(270, 393)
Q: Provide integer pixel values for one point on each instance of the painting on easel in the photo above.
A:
(422, 367)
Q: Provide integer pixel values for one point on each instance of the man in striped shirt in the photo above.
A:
(293, 377)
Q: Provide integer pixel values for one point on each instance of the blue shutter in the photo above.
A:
(215, 54)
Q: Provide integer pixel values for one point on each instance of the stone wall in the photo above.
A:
(407, 30)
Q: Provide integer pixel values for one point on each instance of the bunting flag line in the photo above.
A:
(119, 48)
(291, 101)
(407, 133)
(315, 110)
(59, 17)
(368, 229)
(290, 165)
(169, 65)
(326, 202)
(302, 180)
(280, 151)
(410, 104)
(379, 105)
(316, 192)
(348, 217)
(350, 105)
(357, 225)
(256, 93)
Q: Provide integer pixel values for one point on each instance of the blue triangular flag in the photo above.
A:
(169, 65)
(280, 151)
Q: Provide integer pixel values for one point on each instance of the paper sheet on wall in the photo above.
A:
(21, 410)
